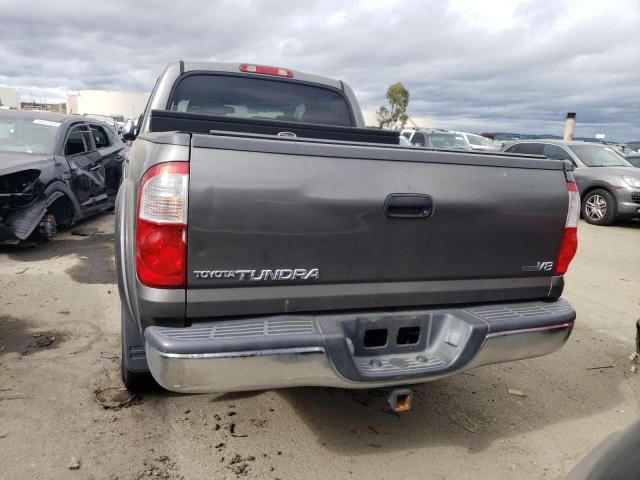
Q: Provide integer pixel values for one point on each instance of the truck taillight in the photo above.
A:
(569, 244)
(161, 227)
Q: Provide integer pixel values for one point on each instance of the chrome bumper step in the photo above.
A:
(336, 350)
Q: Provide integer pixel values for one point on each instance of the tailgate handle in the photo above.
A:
(408, 205)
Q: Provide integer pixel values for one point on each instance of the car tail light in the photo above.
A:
(161, 227)
(264, 70)
(569, 244)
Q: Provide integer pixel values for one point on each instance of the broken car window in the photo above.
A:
(100, 137)
(75, 142)
(27, 135)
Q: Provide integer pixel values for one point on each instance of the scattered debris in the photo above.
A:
(22, 271)
(635, 356)
(114, 398)
(165, 468)
(15, 397)
(516, 392)
(232, 431)
(84, 231)
(109, 356)
(239, 465)
(42, 340)
(241, 469)
(259, 422)
(463, 421)
(64, 312)
(74, 464)
(232, 413)
(601, 368)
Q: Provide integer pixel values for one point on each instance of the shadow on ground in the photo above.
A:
(629, 224)
(472, 410)
(94, 251)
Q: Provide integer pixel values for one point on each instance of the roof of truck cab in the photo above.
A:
(190, 66)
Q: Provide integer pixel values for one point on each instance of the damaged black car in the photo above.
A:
(54, 170)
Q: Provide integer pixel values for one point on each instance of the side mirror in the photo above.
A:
(130, 129)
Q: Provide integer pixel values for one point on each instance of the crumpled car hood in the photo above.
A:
(11, 162)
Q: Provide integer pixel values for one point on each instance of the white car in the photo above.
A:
(478, 142)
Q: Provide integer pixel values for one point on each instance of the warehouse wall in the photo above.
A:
(9, 97)
(104, 102)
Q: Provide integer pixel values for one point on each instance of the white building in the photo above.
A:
(104, 102)
(9, 97)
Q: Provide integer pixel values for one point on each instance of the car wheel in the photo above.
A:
(136, 381)
(599, 207)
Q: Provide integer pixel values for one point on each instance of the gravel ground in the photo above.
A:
(63, 414)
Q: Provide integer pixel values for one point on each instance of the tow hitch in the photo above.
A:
(401, 400)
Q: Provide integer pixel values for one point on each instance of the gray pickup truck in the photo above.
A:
(266, 239)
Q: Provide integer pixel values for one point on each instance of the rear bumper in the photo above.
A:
(329, 350)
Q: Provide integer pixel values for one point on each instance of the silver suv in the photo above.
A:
(609, 186)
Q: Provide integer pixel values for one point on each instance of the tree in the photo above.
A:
(395, 116)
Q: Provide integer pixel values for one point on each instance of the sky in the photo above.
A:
(499, 65)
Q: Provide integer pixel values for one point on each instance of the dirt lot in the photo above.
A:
(59, 345)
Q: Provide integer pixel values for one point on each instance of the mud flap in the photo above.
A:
(133, 351)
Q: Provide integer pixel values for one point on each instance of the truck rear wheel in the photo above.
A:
(136, 378)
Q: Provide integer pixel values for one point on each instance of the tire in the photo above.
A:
(138, 380)
(599, 207)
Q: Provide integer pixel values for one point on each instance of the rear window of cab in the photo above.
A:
(251, 97)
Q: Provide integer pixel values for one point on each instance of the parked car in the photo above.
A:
(434, 138)
(609, 187)
(624, 150)
(54, 170)
(317, 252)
(478, 142)
(633, 146)
(634, 160)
